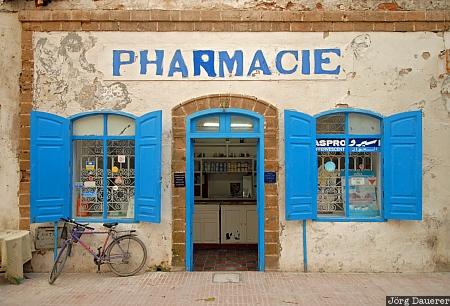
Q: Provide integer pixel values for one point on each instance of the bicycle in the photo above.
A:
(125, 254)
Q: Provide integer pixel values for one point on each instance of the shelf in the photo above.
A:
(219, 164)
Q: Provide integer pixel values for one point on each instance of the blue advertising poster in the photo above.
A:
(354, 144)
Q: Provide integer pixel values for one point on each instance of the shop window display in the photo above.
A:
(98, 190)
(348, 154)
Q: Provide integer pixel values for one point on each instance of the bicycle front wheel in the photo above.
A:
(126, 255)
(59, 262)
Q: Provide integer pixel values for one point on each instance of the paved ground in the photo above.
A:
(254, 288)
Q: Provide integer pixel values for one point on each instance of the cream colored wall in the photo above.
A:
(9, 119)
(389, 73)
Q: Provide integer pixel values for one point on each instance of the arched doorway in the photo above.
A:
(234, 142)
(271, 232)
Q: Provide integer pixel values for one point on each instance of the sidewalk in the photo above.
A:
(198, 288)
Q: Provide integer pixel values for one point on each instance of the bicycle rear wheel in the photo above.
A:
(126, 255)
(59, 262)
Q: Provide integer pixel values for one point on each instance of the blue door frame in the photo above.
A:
(192, 134)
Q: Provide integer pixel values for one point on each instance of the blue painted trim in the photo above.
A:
(229, 111)
(350, 110)
(403, 130)
(305, 251)
(55, 240)
(105, 170)
(350, 219)
(301, 185)
(189, 201)
(347, 160)
(48, 203)
(259, 134)
(101, 112)
(224, 120)
(260, 202)
(98, 220)
(89, 137)
(211, 135)
(71, 180)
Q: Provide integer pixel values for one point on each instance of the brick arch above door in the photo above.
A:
(271, 211)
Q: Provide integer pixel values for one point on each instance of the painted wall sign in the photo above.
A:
(270, 177)
(355, 145)
(225, 64)
(222, 56)
(179, 179)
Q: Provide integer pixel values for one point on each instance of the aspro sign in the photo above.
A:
(229, 64)
(355, 145)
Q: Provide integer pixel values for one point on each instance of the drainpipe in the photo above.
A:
(305, 253)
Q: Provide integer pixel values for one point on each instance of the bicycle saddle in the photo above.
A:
(110, 225)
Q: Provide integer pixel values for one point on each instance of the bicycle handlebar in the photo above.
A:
(76, 223)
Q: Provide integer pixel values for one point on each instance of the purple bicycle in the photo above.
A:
(125, 254)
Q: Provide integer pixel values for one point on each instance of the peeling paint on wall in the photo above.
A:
(64, 78)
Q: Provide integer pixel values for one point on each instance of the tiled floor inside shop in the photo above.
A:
(226, 258)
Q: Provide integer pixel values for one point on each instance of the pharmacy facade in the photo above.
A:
(323, 143)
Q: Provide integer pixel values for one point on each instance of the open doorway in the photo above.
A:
(225, 221)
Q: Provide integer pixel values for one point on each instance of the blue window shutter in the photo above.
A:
(300, 166)
(50, 172)
(148, 167)
(403, 166)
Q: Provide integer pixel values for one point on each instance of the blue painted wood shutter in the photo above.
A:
(403, 166)
(50, 167)
(300, 166)
(148, 167)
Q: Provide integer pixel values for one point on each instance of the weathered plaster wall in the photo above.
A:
(9, 119)
(390, 72)
(240, 4)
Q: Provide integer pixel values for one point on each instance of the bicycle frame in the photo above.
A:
(87, 247)
(100, 258)
(117, 242)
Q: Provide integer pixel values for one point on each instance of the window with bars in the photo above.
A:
(353, 165)
(103, 167)
(348, 152)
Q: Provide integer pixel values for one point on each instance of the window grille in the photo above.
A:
(89, 177)
(121, 180)
(331, 124)
(330, 193)
(353, 139)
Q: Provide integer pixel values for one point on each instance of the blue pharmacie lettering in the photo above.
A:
(226, 63)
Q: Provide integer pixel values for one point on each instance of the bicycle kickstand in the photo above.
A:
(98, 261)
